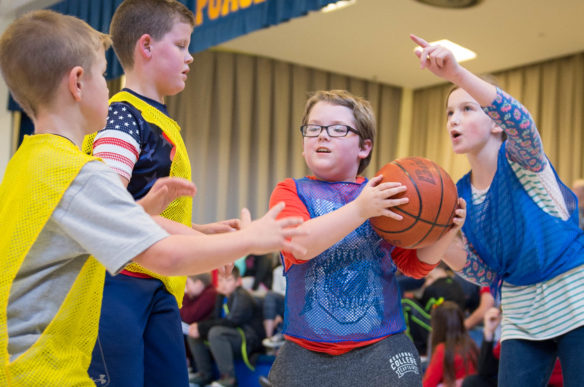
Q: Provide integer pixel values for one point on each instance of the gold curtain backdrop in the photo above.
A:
(553, 91)
(241, 116)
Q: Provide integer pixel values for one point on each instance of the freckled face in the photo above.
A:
(333, 158)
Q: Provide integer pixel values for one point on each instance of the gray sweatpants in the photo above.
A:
(393, 361)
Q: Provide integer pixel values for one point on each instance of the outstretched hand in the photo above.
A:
(218, 227)
(164, 191)
(271, 234)
(439, 60)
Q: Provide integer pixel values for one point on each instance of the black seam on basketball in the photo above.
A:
(414, 184)
(397, 209)
(445, 226)
(436, 169)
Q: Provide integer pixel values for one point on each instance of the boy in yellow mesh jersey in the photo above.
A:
(65, 215)
(143, 144)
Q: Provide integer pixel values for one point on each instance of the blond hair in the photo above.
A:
(134, 18)
(362, 111)
(39, 48)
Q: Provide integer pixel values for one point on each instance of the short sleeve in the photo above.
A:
(118, 144)
(286, 192)
(102, 217)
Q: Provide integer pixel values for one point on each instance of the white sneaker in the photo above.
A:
(275, 341)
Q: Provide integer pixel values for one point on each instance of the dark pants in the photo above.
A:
(393, 361)
(224, 346)
(140, 339)
(530, 363)
(273, 305)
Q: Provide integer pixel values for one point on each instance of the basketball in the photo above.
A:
(429, 212)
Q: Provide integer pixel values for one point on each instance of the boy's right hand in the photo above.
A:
(377, 198)
(271, 234)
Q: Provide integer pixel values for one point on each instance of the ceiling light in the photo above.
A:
(460, 53)
(338, 5)
(450, 3)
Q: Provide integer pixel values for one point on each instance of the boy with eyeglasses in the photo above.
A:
(343, 321)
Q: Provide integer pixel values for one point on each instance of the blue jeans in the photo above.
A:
(530, 363)
(273, 305)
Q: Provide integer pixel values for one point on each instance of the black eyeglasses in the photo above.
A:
(336, 130)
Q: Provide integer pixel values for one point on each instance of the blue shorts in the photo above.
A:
(140, 340)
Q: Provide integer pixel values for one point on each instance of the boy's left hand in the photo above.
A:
(164, 191)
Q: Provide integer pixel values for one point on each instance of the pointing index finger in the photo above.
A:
(419, 41)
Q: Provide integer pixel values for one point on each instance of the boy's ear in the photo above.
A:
(144, 46)
(75, 83)
(365, 149)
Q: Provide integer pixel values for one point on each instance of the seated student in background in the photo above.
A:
(474, 320)
(274, 308)
(440, 283)
(454, 353)
(259, 267)
(198, 303)
(235, 312)
(199, 300)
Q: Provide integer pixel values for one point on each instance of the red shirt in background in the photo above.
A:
(198, 308)
(435, 372)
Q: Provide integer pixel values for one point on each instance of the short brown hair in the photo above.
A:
(205, 278)
(134, 18)
(39, 48)
(362, 110)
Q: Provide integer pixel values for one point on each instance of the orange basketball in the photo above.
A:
(428, 214)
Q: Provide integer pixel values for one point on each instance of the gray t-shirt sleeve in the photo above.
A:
(96, 216)
(102, 217)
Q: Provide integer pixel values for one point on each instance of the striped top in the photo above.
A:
(551, 308)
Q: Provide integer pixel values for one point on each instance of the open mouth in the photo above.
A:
(455, 135)
(323, 150)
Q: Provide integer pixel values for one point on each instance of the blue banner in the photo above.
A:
(217, 21)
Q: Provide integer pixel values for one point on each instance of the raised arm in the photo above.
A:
(440, 61)
(524, 145)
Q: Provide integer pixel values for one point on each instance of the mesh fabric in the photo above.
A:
(179, 210)
(349, 292)
(35, 180)
(514, 236)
